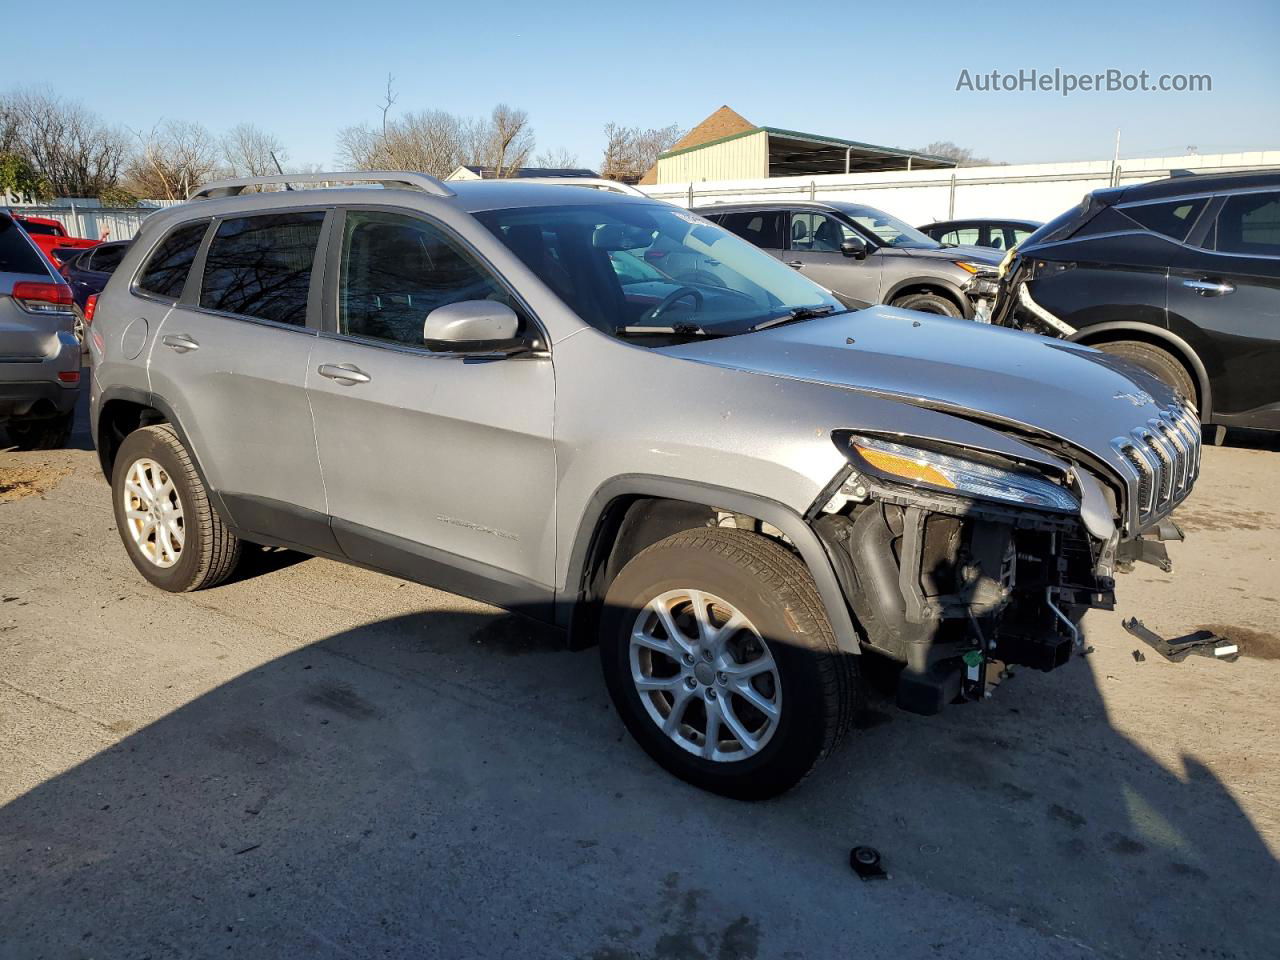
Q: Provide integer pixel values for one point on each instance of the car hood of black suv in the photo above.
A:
(1034, 384)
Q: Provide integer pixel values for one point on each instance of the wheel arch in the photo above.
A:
(121, 411)
(1182, 351)
(934, 285)
(628, 513)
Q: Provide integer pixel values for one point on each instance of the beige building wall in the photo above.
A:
(741, 158)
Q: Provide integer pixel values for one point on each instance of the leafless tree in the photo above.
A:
(247, 151)
(629, 152)
(388, 101)
(509, 141)
(561, 158)
(963, 156)
(173, 158)
(72, 151)
(436, 142)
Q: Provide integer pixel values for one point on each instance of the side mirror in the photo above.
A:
(854, 247)
(472, 326)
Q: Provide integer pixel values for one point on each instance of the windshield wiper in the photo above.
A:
(795, 316)
(674, 329)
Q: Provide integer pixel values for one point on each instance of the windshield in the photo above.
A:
(890, 231)
(623, 266)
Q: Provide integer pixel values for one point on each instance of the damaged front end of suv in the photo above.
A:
(958, 563)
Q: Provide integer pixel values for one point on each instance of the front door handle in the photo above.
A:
(180, 342)
(1210, 288)
(795, 264)
(347, 374)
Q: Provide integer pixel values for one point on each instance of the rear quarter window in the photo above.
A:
(1172, 219)
(17, 255)
(166, 270)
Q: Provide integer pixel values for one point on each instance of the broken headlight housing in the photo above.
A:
(963, 477)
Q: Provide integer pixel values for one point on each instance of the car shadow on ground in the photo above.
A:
(457, 784)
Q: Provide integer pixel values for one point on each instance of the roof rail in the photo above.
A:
(388, 178)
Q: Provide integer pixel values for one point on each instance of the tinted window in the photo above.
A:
(1172, 219)
(104, 259)
(260, 266)
(764, 229)
(1249, 223)
(16, 252)
(41, 229)
(817, 232)
(396, 270)
(166, 271)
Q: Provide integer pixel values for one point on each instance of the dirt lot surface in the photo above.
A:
(316, 761)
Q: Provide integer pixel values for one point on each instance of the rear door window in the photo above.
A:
(1172, 219)
(260, 266)
(961, 236)
(166, 271)
(17, 255)
(1249, 223)
(763, 228)
(105, 259)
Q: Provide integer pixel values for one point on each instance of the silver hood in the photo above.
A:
(1081, 396)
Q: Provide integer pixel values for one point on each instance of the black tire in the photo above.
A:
(1161, 364)
(45, 433)
(929, 303)
(210, 552)
(821, 689)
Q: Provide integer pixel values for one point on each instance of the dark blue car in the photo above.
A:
(89, 270)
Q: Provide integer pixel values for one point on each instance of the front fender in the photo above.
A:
(778, 515)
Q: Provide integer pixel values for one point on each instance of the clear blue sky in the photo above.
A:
(882, 72)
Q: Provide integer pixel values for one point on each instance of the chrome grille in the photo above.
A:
(1164, 459)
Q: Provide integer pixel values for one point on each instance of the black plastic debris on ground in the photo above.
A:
(1205, 643)
(866, 863)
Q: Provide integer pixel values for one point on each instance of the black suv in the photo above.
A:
(1180, 276)
(859, 253)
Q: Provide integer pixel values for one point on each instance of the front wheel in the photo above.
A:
(929, 303)
(721, 662)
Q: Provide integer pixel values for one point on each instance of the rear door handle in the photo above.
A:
(796, 264)
(1210, 288)
(347, 374)
(180, 342)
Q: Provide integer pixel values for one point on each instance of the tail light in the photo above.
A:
(90, 307)
(43, 298)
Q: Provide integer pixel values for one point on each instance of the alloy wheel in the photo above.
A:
(153, 512)
(705, 675)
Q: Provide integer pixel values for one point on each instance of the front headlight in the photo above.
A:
(927, 468)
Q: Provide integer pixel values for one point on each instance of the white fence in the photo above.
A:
(1029, 191)
(96, 223)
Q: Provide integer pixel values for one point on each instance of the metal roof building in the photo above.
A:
(747, 152)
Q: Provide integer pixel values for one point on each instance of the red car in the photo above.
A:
(50, 236)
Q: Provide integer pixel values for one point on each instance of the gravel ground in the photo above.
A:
(317, 761)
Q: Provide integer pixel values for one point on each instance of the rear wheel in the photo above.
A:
(1161, 364)
(929, 303)
(45, 433)
(721, 662)
(171, 531)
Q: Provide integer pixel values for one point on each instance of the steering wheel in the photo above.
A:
(656, 311)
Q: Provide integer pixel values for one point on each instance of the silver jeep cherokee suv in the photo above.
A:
(734, 485)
